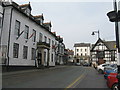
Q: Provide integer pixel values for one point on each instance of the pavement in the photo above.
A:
(32, 70)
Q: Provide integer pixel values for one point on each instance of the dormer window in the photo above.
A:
(48, 25)
(39, 19)
(41, 22)
(27, 11)
(26, 8)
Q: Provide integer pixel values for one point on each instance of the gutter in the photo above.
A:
(9, 37)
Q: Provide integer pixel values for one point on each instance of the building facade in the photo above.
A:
(28, 40)
(1, 18)
(103, 52)
(82, 52)
(60, 49)
(1, 24)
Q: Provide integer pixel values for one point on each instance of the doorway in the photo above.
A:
(39, 58)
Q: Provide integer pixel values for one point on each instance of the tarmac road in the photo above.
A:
(61, 77)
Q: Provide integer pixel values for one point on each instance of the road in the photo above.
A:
(63, 77)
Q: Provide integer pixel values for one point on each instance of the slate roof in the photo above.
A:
(17, 7)
(26, 5)
(82, 45)
(39, 16)
(48, 23)
(109, 44)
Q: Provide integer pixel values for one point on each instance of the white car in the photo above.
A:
(100, 68)
(77, 64)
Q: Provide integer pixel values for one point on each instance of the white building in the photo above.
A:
(82, 51)
(60, 51)
(1, 19)
(28, 40)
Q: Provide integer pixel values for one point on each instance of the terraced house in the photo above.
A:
(28, 39)
(60, 51)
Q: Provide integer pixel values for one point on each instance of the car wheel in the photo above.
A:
(115, 87)
(100, 71)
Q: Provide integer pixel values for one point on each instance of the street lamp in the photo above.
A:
(93, 33)
(114, 16)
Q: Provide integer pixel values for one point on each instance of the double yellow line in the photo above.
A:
(73, 84)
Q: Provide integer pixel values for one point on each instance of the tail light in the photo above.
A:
(108, 77)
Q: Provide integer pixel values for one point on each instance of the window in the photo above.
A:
(15, 50)
(52, 42)
(53, 46)
(81, 54)
(0, 22)
(17, 28)
(49, 40)
(45, 57)
(34, 35)
(52, 57)
(26, 32)
(25, 50)
(112, 55)
(85, 54)
(77, 50)
(45, 39)
(81, 50)
(27, 11)
(85, 50)
(100, 54)
(40, 37)
(77, 54)
(33, 54)
(55, 43)
(41, 21)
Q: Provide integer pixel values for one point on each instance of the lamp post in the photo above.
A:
(93, 33)
(114, 16)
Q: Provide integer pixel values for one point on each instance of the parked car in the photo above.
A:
(85, 64)
(100, 68)
(110, 67)
(112, 81)
(108, 71)
(77, 64)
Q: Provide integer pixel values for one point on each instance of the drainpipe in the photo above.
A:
(9, 36)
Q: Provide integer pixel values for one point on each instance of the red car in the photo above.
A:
(112, 81)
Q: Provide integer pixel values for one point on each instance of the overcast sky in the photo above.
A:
(75, 21)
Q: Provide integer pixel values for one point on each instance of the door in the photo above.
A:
(39, 58)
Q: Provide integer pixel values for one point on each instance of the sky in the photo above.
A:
(76, 20)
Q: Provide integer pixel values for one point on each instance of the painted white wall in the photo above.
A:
(1, 10)
(21, 41)
(83, 52)
(102, 48)
(1, 17)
